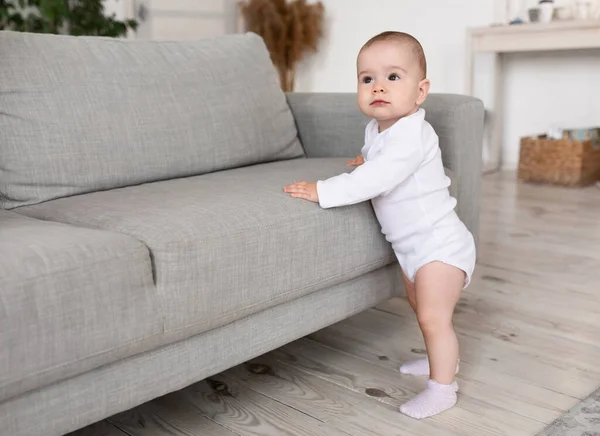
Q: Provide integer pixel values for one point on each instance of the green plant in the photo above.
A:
(74, 17)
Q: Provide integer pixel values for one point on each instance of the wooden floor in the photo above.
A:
(529, 329)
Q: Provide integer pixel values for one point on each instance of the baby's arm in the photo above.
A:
(384, 172)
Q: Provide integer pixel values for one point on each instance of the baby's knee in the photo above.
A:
(431, 320)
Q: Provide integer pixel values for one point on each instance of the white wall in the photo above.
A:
(541, 89)
(116, 7)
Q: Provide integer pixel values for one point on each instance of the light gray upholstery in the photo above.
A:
(71, 299)
(82, 400)
(228, 244)
(84, 114)
(331, 124)
(149, 243)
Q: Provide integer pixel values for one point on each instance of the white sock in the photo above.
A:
(418, 367)
(434, 399)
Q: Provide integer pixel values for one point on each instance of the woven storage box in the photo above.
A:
(566, 162)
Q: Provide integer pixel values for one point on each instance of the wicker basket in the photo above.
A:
(564, 162)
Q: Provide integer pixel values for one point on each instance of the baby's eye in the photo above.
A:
(367, 79)
(393, 76)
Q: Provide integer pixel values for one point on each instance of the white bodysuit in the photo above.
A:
(404, 178)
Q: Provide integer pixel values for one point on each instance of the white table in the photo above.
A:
(499, 40)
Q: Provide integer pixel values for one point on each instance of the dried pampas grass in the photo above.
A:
(290, 29)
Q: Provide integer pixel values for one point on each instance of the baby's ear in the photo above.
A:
(424, 86)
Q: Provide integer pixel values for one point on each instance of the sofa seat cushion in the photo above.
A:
(231, 243)
(71, 299)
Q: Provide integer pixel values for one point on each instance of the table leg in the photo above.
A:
(469, 68)
(495, 155)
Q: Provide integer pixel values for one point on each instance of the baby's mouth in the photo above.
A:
(379, 103)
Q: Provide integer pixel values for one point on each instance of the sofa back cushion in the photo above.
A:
(81, 114)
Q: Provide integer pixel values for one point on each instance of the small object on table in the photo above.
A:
(546, 10)
(583, 9)
(534, 15)
(562, 13)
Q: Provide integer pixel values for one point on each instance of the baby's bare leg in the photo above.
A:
(438, 287)
(409, 288)
(417, 366)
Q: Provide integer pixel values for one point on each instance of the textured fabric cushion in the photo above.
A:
(231, 243)
(80, 401)
(80, 114)
(71, 299)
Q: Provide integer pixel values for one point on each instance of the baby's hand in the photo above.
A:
(305, 190)
(357, 161)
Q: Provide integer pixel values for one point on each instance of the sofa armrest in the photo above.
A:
(458, 122)
(331, 125)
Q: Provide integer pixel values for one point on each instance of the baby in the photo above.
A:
(400, 170)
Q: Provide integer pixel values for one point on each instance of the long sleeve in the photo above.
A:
(394, 164)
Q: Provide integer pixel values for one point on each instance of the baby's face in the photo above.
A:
(390, 82)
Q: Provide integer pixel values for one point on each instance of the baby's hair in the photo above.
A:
(405, 38)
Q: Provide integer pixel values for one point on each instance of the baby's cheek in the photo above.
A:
(363, 102)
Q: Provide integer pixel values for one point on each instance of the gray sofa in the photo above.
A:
(145, 240)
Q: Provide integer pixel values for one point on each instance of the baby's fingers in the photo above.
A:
(356, 161)
(300, 195)
(295, 187)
